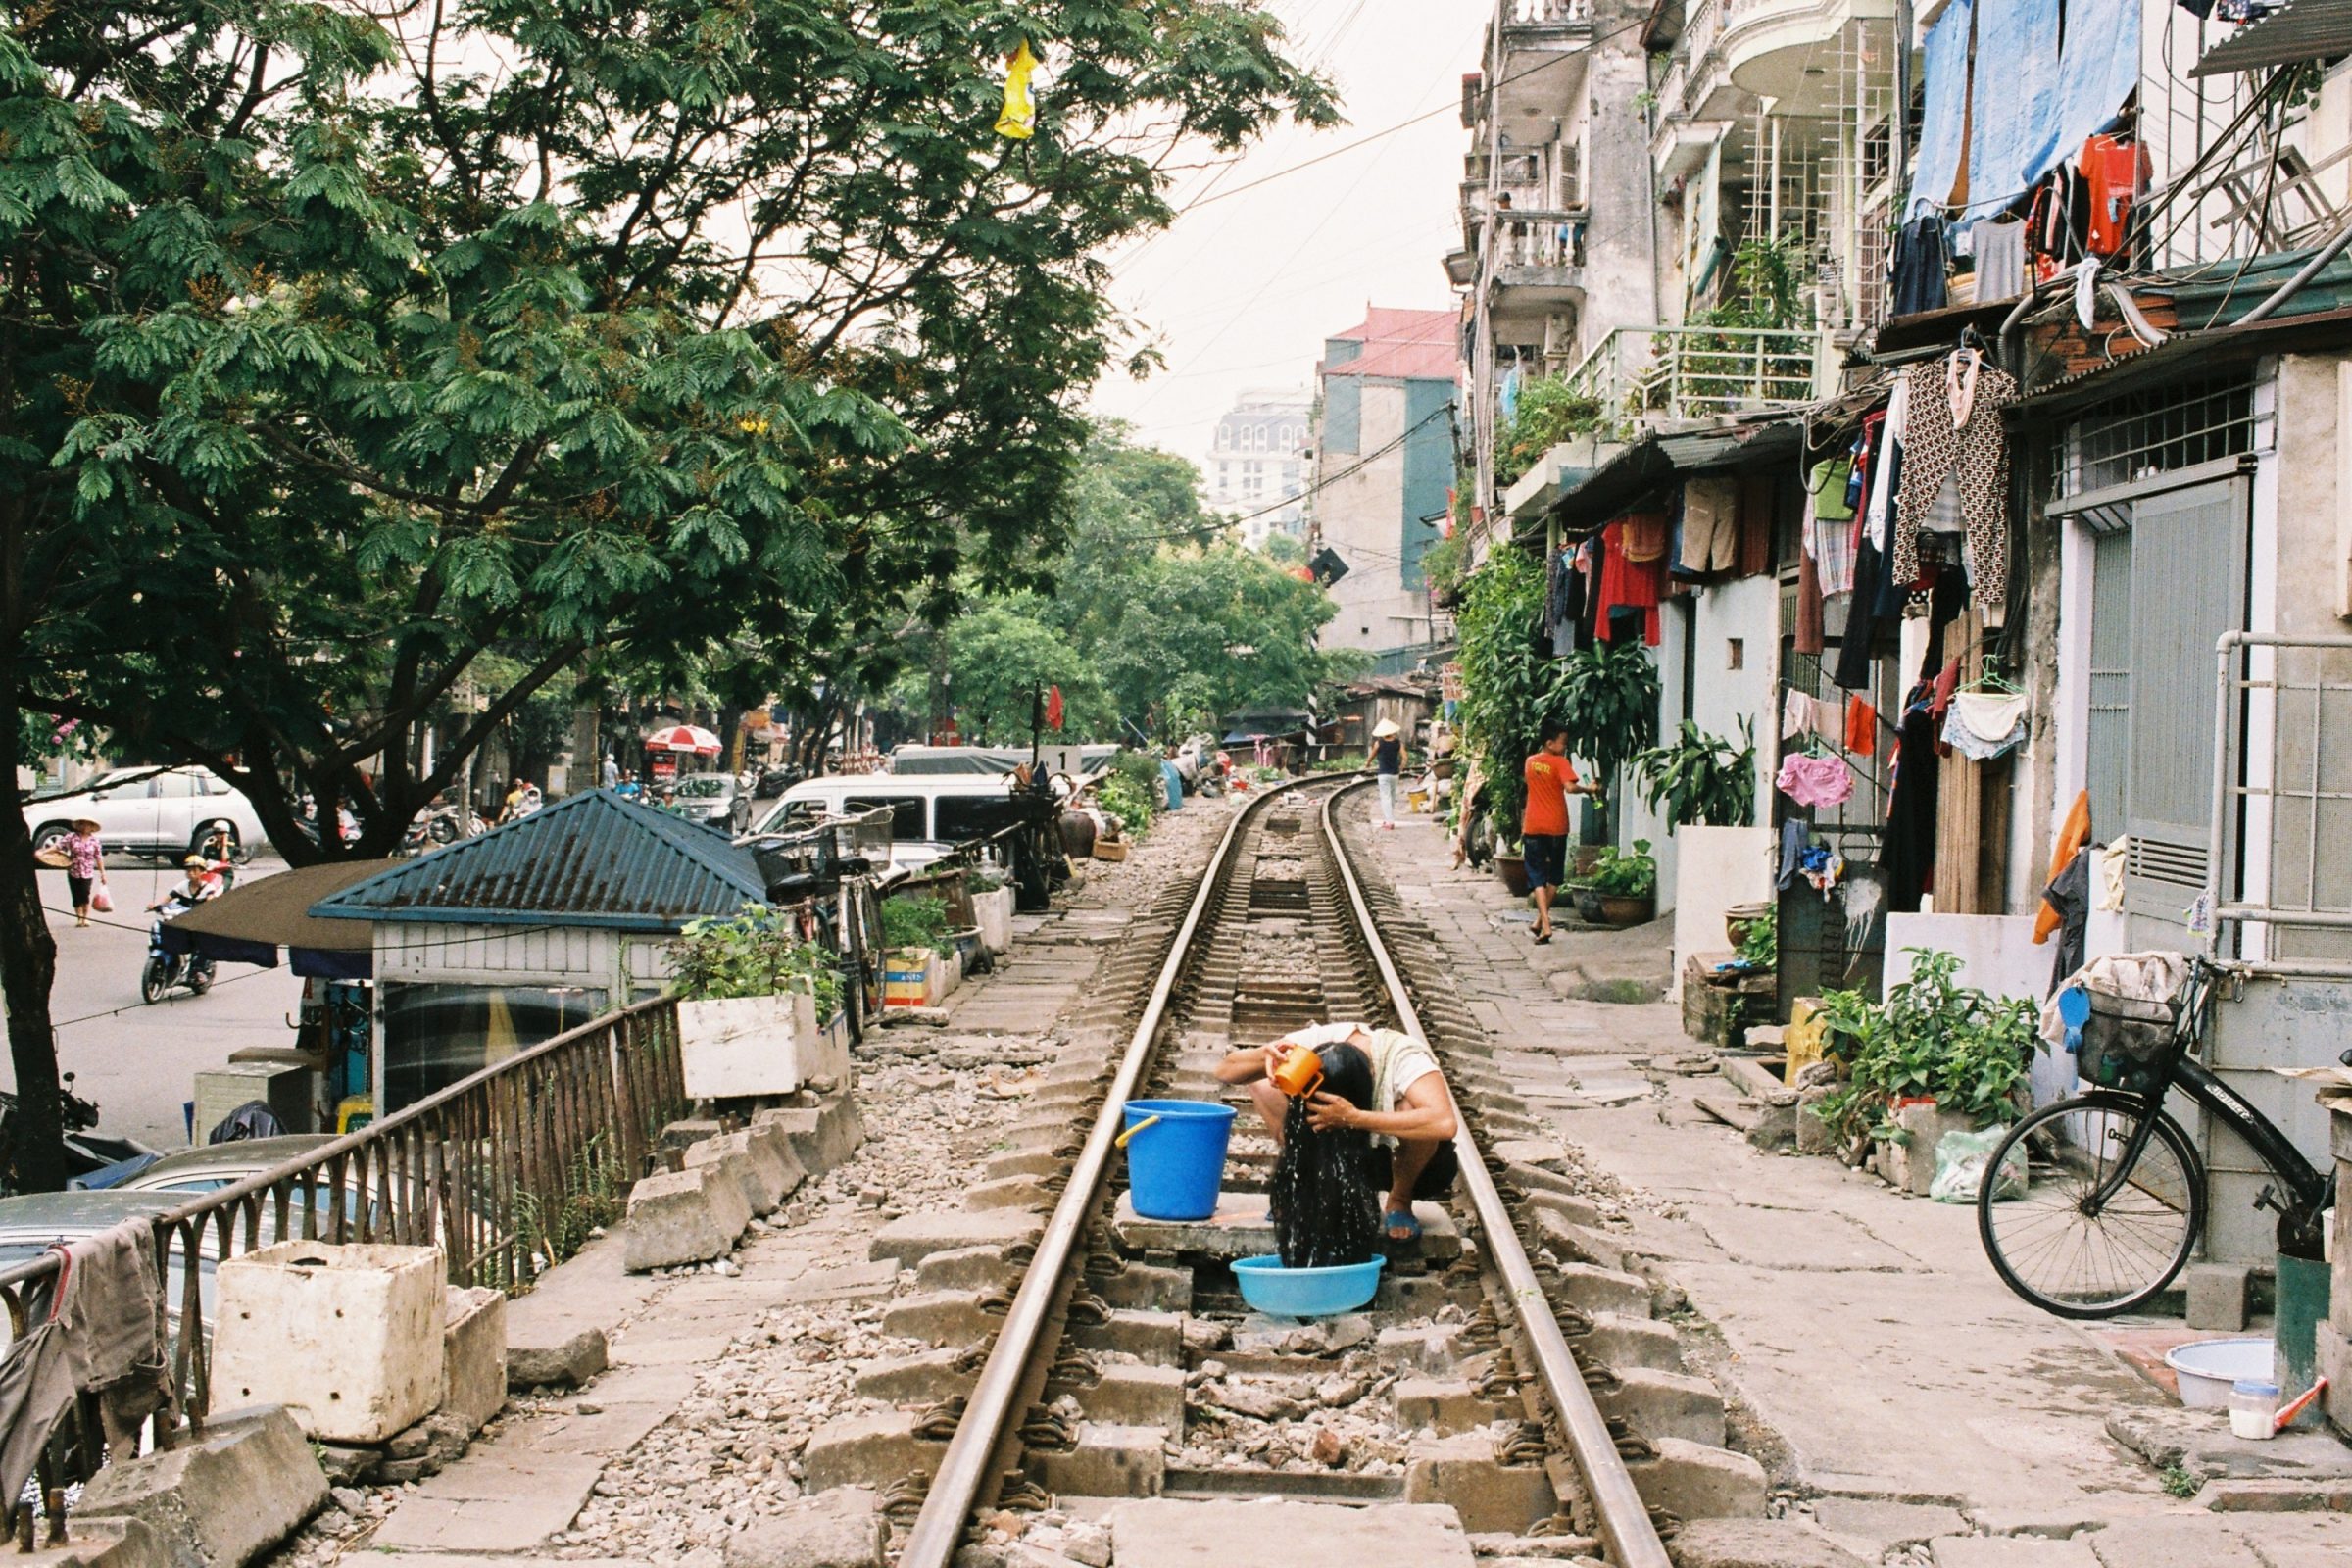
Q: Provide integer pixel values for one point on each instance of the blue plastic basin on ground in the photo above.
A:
(1306, 1292)
(1176, 1166)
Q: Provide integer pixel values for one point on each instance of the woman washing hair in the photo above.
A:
(1380, 1118)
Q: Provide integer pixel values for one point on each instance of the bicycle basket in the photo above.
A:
(2128, 1044)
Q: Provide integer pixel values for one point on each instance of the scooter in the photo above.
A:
(164, 971)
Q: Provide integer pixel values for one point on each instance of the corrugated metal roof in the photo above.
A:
(592, 859)
(2308, 29)
(1654, 461)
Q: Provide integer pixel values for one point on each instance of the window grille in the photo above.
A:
(2161, 431)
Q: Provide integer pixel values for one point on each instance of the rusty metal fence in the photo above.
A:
(508, 1171)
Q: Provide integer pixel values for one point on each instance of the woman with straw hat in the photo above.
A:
(85, 864)
(1388, 761)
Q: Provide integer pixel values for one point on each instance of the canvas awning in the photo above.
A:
(250, 923)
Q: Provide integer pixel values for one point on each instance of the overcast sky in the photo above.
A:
(1241, 292)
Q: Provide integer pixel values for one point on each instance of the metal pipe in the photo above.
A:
(938, 1531)
(2224, 646)
(2129, 308)
(1622, 1516)
(2012, 360)
(2295, 285)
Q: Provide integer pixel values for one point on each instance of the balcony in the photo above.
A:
(1772, 48)
(1678, 376)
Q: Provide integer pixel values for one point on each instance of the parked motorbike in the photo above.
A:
(439, 825)
(90, 1154)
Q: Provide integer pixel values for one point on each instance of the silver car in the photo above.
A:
(33, 1223)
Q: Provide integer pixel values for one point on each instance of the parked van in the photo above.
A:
(930, 812)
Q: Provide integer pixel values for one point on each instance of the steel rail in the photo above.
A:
(1621, 1517)
(938, 1531)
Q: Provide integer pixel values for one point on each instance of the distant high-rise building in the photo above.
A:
(1256, 468)
(1383, 468)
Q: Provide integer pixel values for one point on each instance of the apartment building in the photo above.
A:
(2104, 255)
(1257, 464)
(1382, 471)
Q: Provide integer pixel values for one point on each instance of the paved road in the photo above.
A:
(139, 1063)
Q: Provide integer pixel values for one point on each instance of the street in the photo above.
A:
(138, 1062)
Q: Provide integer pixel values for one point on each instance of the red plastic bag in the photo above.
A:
(101, 900)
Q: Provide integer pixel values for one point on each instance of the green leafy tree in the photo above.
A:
(996, 657)
(342, 347)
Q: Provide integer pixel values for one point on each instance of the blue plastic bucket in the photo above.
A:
(1176, 1165)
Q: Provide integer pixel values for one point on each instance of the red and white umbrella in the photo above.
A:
(685, 740)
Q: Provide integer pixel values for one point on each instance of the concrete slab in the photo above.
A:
(2010, 1551)
(911, 1238)
(1804, 1240)
(2174, 1541)
(1240, 1229)
(501, 1501)
(1175, 1532)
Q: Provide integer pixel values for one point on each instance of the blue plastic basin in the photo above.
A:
(1176, 1163)
(1306, 1292)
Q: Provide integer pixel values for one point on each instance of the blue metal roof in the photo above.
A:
(594, 860)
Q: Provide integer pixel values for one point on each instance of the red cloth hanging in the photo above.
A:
(1861, 727)
(2111, 177)
(1627, 584)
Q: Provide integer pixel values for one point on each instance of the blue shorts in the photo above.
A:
(1547, 859)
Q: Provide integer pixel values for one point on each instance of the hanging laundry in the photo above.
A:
(1815, 781)
(1710, 524)
(2001, 247)
(1908, 857)
(1822, 869)
(1920, 258)
(1563, 599)
(2111, 181)
(1629, 584)
(2013, 117)
(1644, 536)
(1810, 635)
(1861, 727)
(1802, 713)
(2114, 860)
(1759, 512)
(1941, 149)
(1984, 726)
(1795, 839)
(2073, 834)
(2069, 894)
(1954, 428)
(1826, 484)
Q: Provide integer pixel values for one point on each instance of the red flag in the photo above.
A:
(1053, 707)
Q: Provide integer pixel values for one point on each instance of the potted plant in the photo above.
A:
(758, 1008)
(1512, 866)
(1626, 886)
(1701, 778)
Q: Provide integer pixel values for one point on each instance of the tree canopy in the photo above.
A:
(346, 345)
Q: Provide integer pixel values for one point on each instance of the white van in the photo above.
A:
(930, 812)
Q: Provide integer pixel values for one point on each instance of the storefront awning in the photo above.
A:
(249, 924)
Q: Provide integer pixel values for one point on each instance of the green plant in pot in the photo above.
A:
(1624, 888)
(1606, 697)
(1931, 1038)
(1701, 778)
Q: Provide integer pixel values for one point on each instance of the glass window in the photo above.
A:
(906, 815)
(972, 816)
(436, 1035)
(175, 787)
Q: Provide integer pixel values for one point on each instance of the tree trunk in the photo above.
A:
(27, 969)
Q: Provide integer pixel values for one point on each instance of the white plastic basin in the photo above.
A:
(2207, 1367)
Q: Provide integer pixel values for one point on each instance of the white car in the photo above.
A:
(146, 813)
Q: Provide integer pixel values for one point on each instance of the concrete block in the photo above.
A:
(2217, 1295)
(823, 1137)
(726, 1160)
(1874, 1526)
(876, 1450)
(1010, 1192)
(1533, 1179)
(1462, 1471)
(1623, 1342)
(1575, 1210)
(1813, 1133)
(348, 1337)
(1252, 1532)
(2334, 1359)
(966, 1268)
(1665, 1404)
(769, 1137)
(686, 1216)
(474, 1354)
(1758, 1544)
(838, 1528)
(1441, 1405)
(1696, 1482)
(1023, 1162)
(2176, 1541)
(2010, 1551)
(1155, 1338)
(221, 1500)
(752, 1161)
(911, 1238)
(924, 1378)
(1424, 1347)
(1147, 1288)
(1604, 1289)
(941, 1317)
(1572, 1243)
(676, 1136)
(1138, 1397)
(1109, 1461)
(1412, 1294)
(560, 1359)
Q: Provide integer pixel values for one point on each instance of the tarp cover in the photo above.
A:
(251, 922)
(996, 761)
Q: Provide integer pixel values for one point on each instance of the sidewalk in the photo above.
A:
(719, 1376)
(1887, 1379)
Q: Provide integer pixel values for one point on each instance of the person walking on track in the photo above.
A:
(1388, 761)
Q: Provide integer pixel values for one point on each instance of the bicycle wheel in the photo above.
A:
(2062, 1248)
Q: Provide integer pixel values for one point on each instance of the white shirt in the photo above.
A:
(1398, 1060)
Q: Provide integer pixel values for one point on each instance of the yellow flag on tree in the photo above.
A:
(1019, 118)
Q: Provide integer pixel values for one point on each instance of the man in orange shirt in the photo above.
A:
(1544, 824)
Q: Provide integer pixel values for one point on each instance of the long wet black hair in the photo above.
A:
(1326, 1203)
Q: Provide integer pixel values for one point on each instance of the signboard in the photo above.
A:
(1450, 683)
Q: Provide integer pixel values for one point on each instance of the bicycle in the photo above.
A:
(2113, 1203)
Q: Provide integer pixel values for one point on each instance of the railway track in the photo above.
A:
(1504, 1382)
